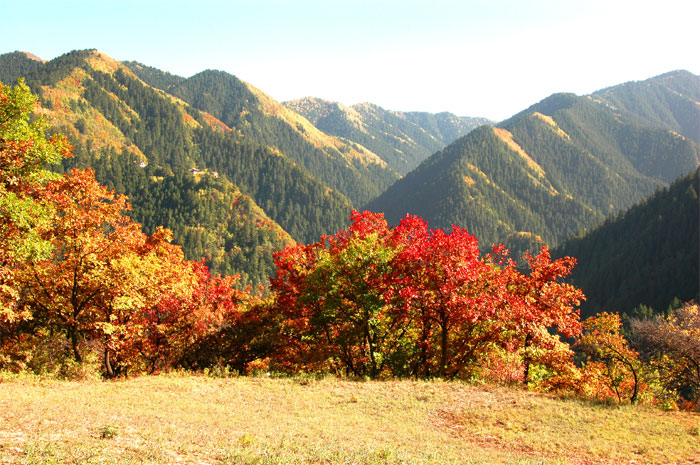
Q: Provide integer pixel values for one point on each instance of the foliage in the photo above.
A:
(75, 267)
(611, 364)
(407, 301)
(24, 150)
(672, 343)
(103, 270)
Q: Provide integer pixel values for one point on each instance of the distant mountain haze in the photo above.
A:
(401, 139)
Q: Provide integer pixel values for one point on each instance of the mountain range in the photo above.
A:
(401, 139)
(237, 175)
(555, 169)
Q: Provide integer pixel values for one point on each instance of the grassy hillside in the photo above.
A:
(171, 419)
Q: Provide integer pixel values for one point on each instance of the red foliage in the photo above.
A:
(412, 301)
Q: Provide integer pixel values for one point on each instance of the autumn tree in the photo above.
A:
(673, 344)
(197, 330)
(543, 308)
(24, 152)
(611, 365)
(414, 301)
(337, 298)
(102, 270)
(449, 292)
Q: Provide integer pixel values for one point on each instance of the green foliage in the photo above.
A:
(108, 431)
(301, 204)
(15, 65)
(153, 76)
(24, 150)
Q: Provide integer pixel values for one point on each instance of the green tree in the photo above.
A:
(24, 151)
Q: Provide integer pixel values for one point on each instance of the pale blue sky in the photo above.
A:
(473, 58)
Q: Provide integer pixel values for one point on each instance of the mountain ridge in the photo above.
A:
(548, 173)
(592, 160)
(401, 139)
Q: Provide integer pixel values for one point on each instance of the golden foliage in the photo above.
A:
(553, 124)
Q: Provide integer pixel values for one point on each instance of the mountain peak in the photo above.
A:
(102, 62)
(31, 56)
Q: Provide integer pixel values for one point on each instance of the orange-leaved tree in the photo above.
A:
(612, 367)
(102, 270)
(544, 307)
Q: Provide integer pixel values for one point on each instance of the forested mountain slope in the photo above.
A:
(224, 195)
(669, 101)
(237, 175)
(554, 169)
(346, 166)
(647, 255)
(401, 139)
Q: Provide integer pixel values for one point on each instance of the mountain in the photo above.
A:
(226, 196)
(350, 168)
(669, 101)
(647, 255)
(551, 171)
(238, 175)
(401, 139)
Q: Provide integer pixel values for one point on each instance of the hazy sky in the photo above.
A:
(488, 58)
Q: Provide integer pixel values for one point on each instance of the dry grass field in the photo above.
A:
(185, 419)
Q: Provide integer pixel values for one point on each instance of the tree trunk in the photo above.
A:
(526, 359)
(73, 336)
(108, 364)
(443, 345)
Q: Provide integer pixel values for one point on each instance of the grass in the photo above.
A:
(258, 420)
